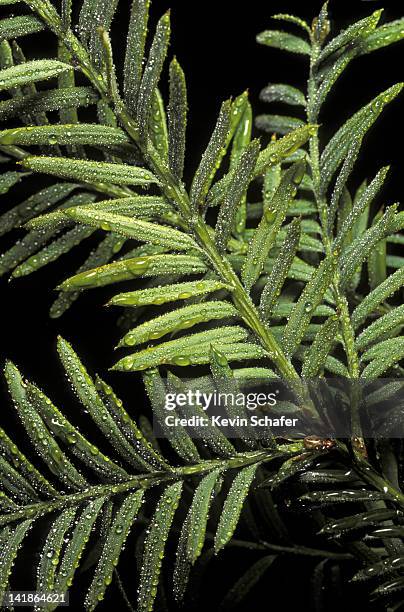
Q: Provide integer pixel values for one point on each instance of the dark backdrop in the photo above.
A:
(215, 43)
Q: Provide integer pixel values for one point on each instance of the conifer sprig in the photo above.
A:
(300, 284)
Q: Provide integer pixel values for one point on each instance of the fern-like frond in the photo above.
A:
(294, 284)
(77, 483)
(351, 234)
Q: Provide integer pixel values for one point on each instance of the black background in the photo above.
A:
(215, 43)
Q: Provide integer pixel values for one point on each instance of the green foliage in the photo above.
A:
(112, 500)
(29, 72)
(296, 284)
(233, 505)
(85, 497)
(283, 40)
